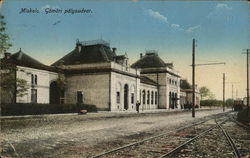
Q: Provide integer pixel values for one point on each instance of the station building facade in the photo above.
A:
(93, 73)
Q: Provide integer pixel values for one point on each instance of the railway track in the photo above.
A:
(239, 135)
(230, 141)
(164, 144)
(222, 146)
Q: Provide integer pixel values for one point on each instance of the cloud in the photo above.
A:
(219, 9)
(177, 26)
(188, 30)
(157, 15)
(191, 29)
(222, 6)
(160, 17)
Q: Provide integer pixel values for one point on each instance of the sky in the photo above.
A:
(221, 29)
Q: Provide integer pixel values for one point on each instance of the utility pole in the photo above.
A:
(236, 94)
(233, 83)
(193, 79)
(247, 82)
(193, 75)
(223, 92)
(232, 91)
(247, 85)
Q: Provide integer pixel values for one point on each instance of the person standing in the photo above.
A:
(137, 106)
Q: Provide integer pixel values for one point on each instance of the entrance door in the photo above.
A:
(126, 97)
(54, 93)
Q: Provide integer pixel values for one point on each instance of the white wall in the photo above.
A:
(43, 82)
(173, 87)
(118, 82)
(150, 88)
(94, 87)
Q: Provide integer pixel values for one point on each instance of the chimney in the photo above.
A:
(7, 55)
(114, 50)
(78, 46)
(141, 55)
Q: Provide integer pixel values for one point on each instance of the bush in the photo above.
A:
(211, 102)
(243, 117)
(38, 109)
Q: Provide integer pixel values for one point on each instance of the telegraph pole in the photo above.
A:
(193, 75)
(247, 82)
(193, 79)
(232, 91)
(223, 92)
(247, 85)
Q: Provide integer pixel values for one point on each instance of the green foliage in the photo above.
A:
(22, 87)
(211, 102)
(7, 75)
(229, 103)
(185, 85)
(243, 116)
(38, 109)
(4, 37)
(9, 82)
(206, 93)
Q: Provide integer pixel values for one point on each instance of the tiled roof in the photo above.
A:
(146, 80)
(84, 54)
(149, 60)
(22, 59)
(120, 57)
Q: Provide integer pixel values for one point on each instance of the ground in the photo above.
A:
(85, 135)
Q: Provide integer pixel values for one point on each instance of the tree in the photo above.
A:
(22, 87)
(206, 93)
(185, 85)
(229, 102)
(9, 84)
(4, 37)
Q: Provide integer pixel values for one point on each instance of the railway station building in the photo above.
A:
(93, 73)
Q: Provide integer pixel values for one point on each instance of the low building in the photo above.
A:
(187, 98)
(167, 79)
(37, 75)
(93, 73)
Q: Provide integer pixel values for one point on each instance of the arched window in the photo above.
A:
(152, 97)
(148, 97)
(118, 93)
(170, 100)
(156, 98)
(132, 94)
(143, 97)
(118, 98)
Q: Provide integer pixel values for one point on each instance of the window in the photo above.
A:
(35, 79)
(148, 97)
(170, 81)
(33, 95)
(118, 97)
(132, 98)
(79, 97)
(140, 96)
(152, 97)
(143, 96)
(156, 98)
(32, 79)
